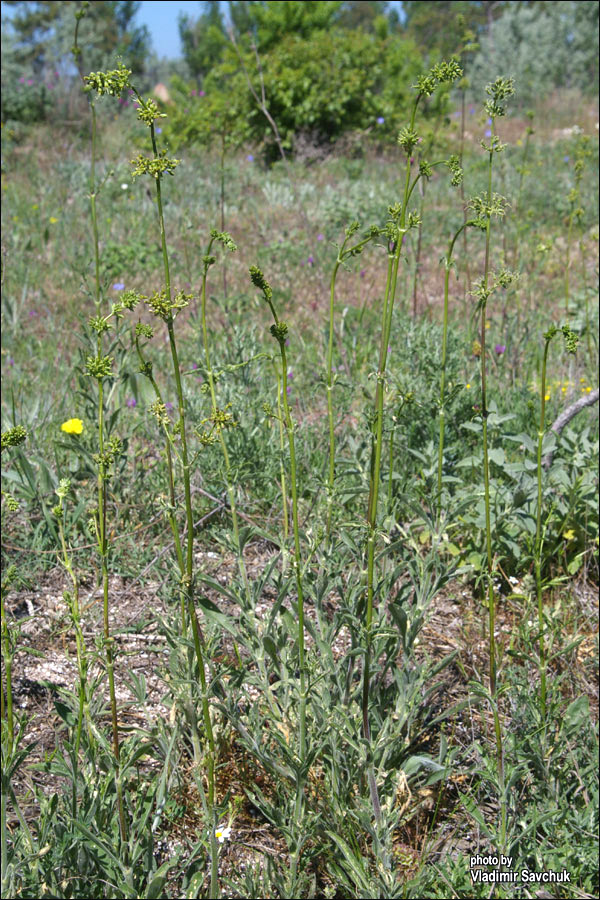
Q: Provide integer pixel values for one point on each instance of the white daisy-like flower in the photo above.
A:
(124, 186)
(223, 834)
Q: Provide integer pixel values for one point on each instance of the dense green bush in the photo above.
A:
(318, 88)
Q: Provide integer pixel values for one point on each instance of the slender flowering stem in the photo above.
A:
(447, 270)
(99, 373)
(285, 513)
(159, 410)
(498, 92)
(397, 228)
(571, 340)
(344, 253)
(215, 411)
(279, 330)
(538, 528)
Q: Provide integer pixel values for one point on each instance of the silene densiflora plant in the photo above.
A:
(164, 305)
(401, 220)
(486, 207)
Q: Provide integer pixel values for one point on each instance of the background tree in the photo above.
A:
(43, 34)
(434, 27)
(543, 46)
(203, 40)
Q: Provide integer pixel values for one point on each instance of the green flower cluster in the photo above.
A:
(99, 367)
(148, 112)
(446, 71)
(259, 281)
(13, 437)
(160, 304)
(453, 164)
(113, 82)
(155, 166)
(499, 91)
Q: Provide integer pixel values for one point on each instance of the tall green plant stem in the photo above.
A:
(188, 580)
(488, 525)
(394, 252)
(75, 608)
(146, 368)
(517, 210)
(297, 561)
(102, 487)
(285, 512)
(568, 264)
(538, 531)
(103, 547)
(213, 398)
(331, 470)
(7, 711)
(279, 331)
(463, 103)
(386, 324)
(447, 270)
(343, 253)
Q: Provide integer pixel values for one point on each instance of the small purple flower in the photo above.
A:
(250, 158)
(471, 110)
(489, 121)
(287, 343)
(290, 374)
(289, 389)
(311, 260)
(131, 402)
(488, 133)
(380, 120)
(21, 80)
(194, 365)
(500, 349)
(119, 286)
(11, 362)
(320, 237)
(169, 406)
(158, 130)
(32, 313)
(566, 158)
(363, 272)
(202, 93)
(193, 93)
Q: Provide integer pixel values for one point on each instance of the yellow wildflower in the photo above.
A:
(72, 426)
(53, 220)
(569, 535)
(547, 397)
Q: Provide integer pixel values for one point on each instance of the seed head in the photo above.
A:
(13, 437)
(259, 281)
(498, 91)
(571, 339)
(99, 367)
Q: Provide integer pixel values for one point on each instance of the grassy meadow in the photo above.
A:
(299, 584)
